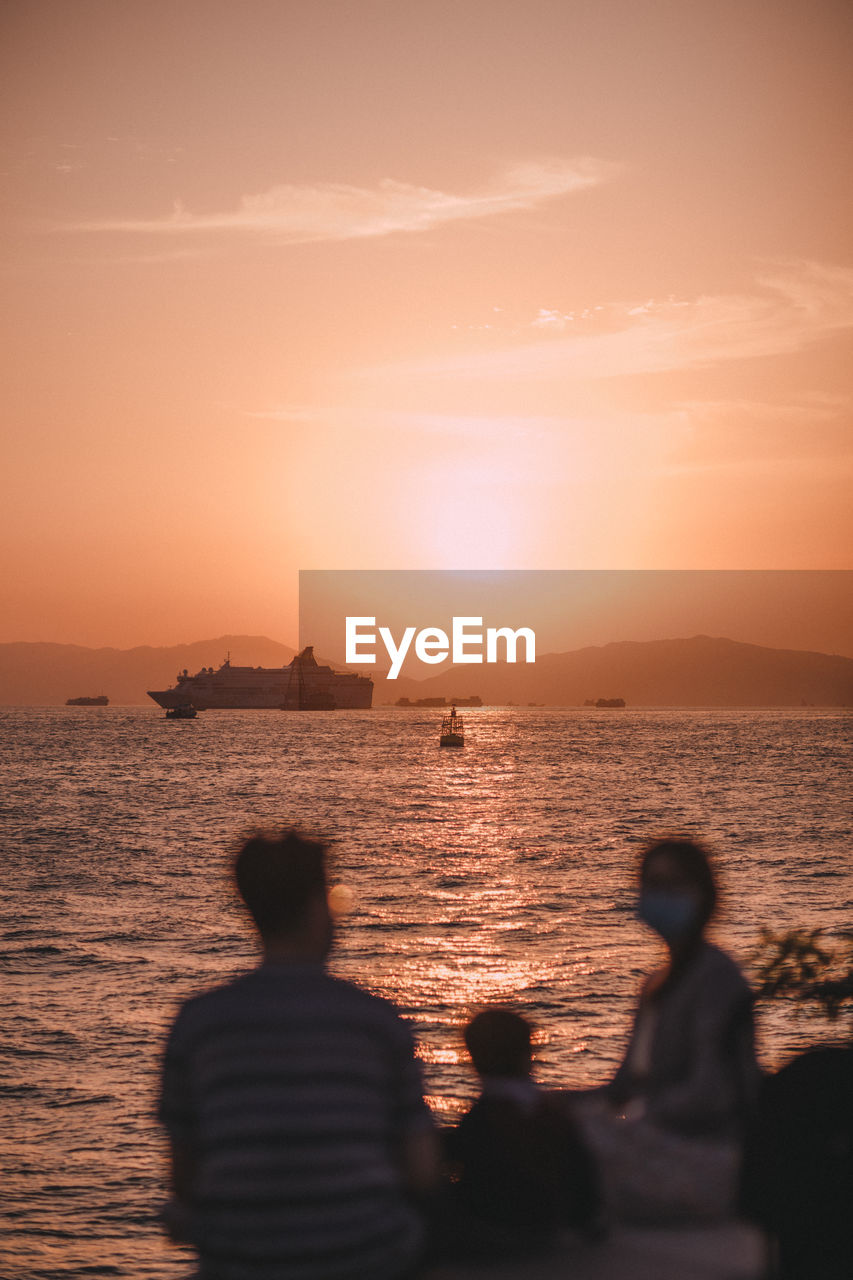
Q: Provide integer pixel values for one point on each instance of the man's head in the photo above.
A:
(282, 880)
(498, 1041)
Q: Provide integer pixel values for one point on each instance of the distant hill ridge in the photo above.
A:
(39, 674)
(699, 671)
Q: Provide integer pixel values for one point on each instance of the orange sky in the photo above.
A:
(415, 285)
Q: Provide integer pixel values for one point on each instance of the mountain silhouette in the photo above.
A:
(43, 674)
(700, 671)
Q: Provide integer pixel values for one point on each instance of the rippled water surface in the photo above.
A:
(502, 872)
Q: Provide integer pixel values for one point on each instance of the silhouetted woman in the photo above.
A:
(690, 1063)
(668, 1128)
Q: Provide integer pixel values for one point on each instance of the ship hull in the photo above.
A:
(271, 700)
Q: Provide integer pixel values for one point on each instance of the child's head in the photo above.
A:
(498, 1041)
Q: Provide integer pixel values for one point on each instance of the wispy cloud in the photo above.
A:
(727, 435)
(806, 466)
(299, 214)
(818, 407)
(549, 318)
(458, 426)
(793, 305)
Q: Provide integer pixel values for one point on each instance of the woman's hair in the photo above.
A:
(693, 864)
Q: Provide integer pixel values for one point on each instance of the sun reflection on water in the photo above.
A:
(503, 875)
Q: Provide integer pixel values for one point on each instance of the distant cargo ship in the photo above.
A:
(101, 700)
(303, 685)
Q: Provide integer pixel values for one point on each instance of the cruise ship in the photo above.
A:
(303, 685)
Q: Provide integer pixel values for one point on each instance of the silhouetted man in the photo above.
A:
(293, 1101)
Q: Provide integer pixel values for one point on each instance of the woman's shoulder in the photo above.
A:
(717, 971)
(716, 960)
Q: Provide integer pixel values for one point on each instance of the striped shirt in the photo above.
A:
(293, 1091)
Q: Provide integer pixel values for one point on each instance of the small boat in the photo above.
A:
(184, 712)
(452, 730)
(100, 700)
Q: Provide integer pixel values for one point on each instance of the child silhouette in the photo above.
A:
(521, 1170)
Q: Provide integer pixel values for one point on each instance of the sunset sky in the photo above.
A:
(415, 284)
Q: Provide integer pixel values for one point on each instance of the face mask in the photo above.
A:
(669, 913)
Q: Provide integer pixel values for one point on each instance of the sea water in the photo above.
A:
(504, 872)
